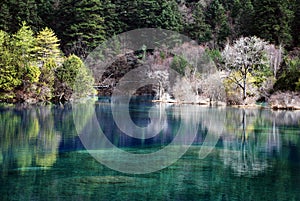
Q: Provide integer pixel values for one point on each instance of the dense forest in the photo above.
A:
(59, 33)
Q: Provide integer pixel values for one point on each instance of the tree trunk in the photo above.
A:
(244, 89)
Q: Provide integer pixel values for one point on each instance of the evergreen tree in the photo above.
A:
(296, 23)
(218, 20)
(272, 21)
(47, 46)
(49, 58)
(73, 77)
(150, 14)
(245, 18)
(198, 29)
(9, 78)
(170, 17)
(86, 30)
(23, 53)
(19, 11)
(233, 9)
(5, 17)
(112, 23)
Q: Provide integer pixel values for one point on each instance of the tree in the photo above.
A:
(218, 20)
(245, 18)
(86, 30)
(296, 24)
(23, 56)
(19, 70)
(79, 24)
(158, 14)
(198, 29)
(14, 12)
(112, 22)
(49, 58)
(9, 78)
(5, 17)
(288, 80)
(272, 21)
(72, 79)
(47, 46)
(245, 57)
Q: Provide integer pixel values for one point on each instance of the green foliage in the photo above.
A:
(23, 43)
(14, 12)
(198, 29)
(8, 72)
(245, 18)
(158, 14)
(82, 25)
(76, 76)
(218, 21)
(17, 61)
(27, 66)
(298, 85)
(289, 79)
(86, 30)
(112, 24)
(47, 46)
(296, 24)
(272, 21)
(49, 58)
(179, 64)
(216, 56)
(23, 54)
(5, 16)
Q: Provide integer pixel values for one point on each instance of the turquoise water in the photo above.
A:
(248, 155)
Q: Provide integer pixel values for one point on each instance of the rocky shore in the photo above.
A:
(285, 101)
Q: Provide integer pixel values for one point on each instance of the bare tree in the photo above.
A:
(275, 57)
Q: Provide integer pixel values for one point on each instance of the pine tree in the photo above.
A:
(22, 10)
(47, 46)
(9, 78)
(23, 53)
(272, 21)
(18, 67)
(150, 14)
(198, 29)
(49, 58)
(296, 23)
(233, 9)
(86, 31)
(170, 17)
(112, 23)
(5, 17)
(245, 19)
(218, 20)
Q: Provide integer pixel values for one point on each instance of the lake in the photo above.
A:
(55, 152)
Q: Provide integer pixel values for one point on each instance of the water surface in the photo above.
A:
(256, 155)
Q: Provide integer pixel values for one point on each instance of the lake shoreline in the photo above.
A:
(274, 105)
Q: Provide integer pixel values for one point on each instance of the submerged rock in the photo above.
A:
(31, 168)
(101, 179)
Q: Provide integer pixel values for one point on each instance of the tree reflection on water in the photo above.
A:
(250, 139)
(249, 136)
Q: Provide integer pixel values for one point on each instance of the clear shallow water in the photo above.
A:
(257, 156)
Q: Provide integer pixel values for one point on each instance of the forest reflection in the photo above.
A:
(30, 137)
(250, 137)
(248, 140)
